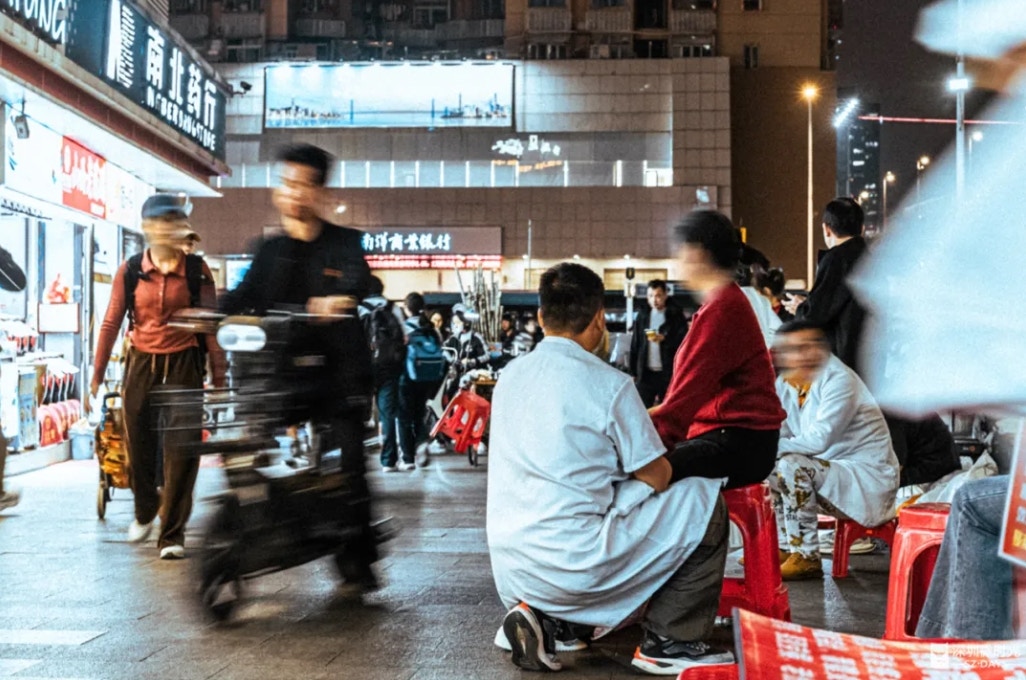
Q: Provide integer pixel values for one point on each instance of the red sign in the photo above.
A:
(777, 650)
(1013, 537)
(434, 261)
(83, 179)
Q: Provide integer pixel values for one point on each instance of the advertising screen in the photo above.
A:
(394, 95)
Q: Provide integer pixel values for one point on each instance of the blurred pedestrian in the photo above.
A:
(771, 284)
(383, 323)
(659, 329)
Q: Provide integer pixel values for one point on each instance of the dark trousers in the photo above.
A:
(413, 398)
(346, 431)
(652, 385)
(146, 374)
(742, 456)
(684, 608)
(388, 412)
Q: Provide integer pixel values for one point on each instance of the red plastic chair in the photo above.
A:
(464, 421)
(848, 531)
(713, 672)
(761, 590)
(913, 556)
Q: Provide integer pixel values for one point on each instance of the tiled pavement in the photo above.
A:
(77, 601)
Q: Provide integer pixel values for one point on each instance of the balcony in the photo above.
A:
(320, 28)
(693, 21)
(609, 20)
(405, 35)
(470, 30)
(241, 25)
(192, 27)
(548, 20)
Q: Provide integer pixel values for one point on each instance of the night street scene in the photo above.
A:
(489, 339)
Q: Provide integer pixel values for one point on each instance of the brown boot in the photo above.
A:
(799, 567)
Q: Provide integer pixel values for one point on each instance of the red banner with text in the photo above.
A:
(83, 179)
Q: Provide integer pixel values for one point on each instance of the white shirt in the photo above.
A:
(841, 423)
(768, 320)
(655, 322)
(568, 530)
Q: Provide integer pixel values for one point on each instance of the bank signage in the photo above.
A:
(433, 241)
(48, 18)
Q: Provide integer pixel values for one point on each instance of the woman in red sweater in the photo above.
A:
(721, 416)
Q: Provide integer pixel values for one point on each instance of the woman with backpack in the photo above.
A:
(150, 288)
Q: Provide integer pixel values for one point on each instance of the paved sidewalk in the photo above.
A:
(77, 601)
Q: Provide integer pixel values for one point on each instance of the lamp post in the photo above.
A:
(888, 179)
(921, 165)
(809, 92)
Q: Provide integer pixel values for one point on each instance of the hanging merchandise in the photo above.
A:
(483, 300)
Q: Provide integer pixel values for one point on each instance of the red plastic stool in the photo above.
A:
(464, 420)
(712, 672)
(761, 590)
(848, 531)
(913, 556)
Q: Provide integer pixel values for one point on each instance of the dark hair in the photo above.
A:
(310, 156)
(714, 233)
(415, 303)
(772, 279)
(657, 283)
(799, 325)
(466, 323)
(571, 295)
(375, 286)
(844, 217)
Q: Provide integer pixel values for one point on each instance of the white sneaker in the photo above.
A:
(436, 448)
(389, 468)
(421, 457)
(863, 546)
(8, 499)
(172, 552)
(137, 533)
(406, 467)
(826, 541)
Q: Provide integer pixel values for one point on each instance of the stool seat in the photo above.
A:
(464, 421)
(711, 672)
(913, 556)
(927, 516)
(848, 531)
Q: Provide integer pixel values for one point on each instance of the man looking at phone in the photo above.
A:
(658, 332)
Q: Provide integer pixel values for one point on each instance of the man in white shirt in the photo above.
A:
(584, 526)
(835, 451)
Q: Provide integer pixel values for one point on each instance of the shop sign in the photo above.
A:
(125, 195)
(1013, 537)
(423, 261)
(433, 241)
(83, 179)
(48, 18)
(535, 144)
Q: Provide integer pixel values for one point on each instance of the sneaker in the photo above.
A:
(799, 567)
(533, 642)
(172, 552)
(863, 546)
(8, 499)
(137, 533)
(826, 542)
(421, 457)
(566, 641)
(406, 467)
(389, 468)
(657, 655)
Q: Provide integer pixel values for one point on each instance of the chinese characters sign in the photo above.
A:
(535, 144)
(777, 650)
(433, 241)
(160, 74)
(83, 179)
(413, 242)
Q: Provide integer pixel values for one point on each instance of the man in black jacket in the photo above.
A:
(319, 268)
(830, 304)
(659, 330)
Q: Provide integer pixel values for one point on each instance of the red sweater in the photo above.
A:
(722, 374)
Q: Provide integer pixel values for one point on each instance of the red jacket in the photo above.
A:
(722, 374)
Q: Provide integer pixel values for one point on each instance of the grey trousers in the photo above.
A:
(685, 607)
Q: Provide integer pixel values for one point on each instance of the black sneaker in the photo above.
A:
(532, 636)
(662, 656)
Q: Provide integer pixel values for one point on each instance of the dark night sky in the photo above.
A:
(883, 63)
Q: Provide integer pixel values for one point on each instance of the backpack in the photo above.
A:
(425, 361)
(194, 279)
(385, 336)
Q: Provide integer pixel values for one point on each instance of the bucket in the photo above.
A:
(83, 445)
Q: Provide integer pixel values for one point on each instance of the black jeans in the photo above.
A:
(413, 398)
(388, 412)
(742, 456)
(652, 385)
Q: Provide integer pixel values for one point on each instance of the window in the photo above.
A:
(602, 4)
(693, 51)
(694, 5)
(751, 56)
(546, 3)
(751, 5)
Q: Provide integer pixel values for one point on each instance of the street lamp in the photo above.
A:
(889, 178)
(921, 165)
(809, 93)
(863, 196)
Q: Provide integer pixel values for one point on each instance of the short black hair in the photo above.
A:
(571, 295)
(375, 286)
(799, 325)
(844, 216)
(772, 279)
(657, 283)
(310, 156)
(714, 233)
(415, 303)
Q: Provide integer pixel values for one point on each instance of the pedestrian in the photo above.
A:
(8, 498)
(383, 323)
(658, 332)
(425, 369)
(320, 268)
(150, 288)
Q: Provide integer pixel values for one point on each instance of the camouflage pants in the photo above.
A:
(793, 486)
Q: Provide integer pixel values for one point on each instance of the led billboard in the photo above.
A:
(389, 95)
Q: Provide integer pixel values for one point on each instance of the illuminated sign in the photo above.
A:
(535, 144)
(434, 261)
(157, 72)
(393, 95)
(83, 179)
(49, 18)
(433, 241)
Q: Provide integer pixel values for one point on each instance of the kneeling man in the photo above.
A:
(835, 452)
(585, 524)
